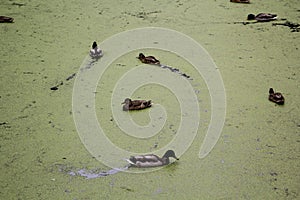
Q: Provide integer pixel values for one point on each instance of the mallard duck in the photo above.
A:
(151, 160)
(262, 17)
(95, 52)
(240, 1)
(135, 104)
(276, 97)
(148, 59)
(4, 19)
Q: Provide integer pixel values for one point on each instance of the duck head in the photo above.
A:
(94, 45)
(251, 17)
(126, 101)
(141, 56)
(170, 153)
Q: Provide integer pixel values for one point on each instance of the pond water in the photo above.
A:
(44, 156)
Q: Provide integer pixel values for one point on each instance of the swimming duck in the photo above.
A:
(240, 1)
(95, 52)
(4, 19)
(276, 97)
(148, 59)
(151, 160)
(262, 17)
(135, 104)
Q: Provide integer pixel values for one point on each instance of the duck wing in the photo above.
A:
(146, 104)
(152, 158)
(137, 102)
(278, 96)
(265, 17)
(144, 158)
(152, 59)
(140, 103)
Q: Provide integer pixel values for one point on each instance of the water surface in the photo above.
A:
(257, 156)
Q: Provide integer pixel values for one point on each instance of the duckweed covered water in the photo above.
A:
(257, 156)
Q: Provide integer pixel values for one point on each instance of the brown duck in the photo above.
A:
(240, 1)
(136, 104)
(4, 19)
(262, 17)
(148, 59)
(276, 97)
(95, 51)
(151, 160)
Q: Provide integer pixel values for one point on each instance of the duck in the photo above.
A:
(148, 59)
(240, 1)
(151, 160)
(262, 17)
(95, 52)
(136, 104)
(276, 97)
(4, 19)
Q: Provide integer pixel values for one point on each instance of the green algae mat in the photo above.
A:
(50, 144)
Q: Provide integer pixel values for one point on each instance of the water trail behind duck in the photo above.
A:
(175, 70)
(90, 174)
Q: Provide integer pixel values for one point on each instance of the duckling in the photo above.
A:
(148, 59)
(276, 97)
(240, 1)
(262, 17)
(135, 104)
(4, 19)
(95, 52)
(151, 160)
